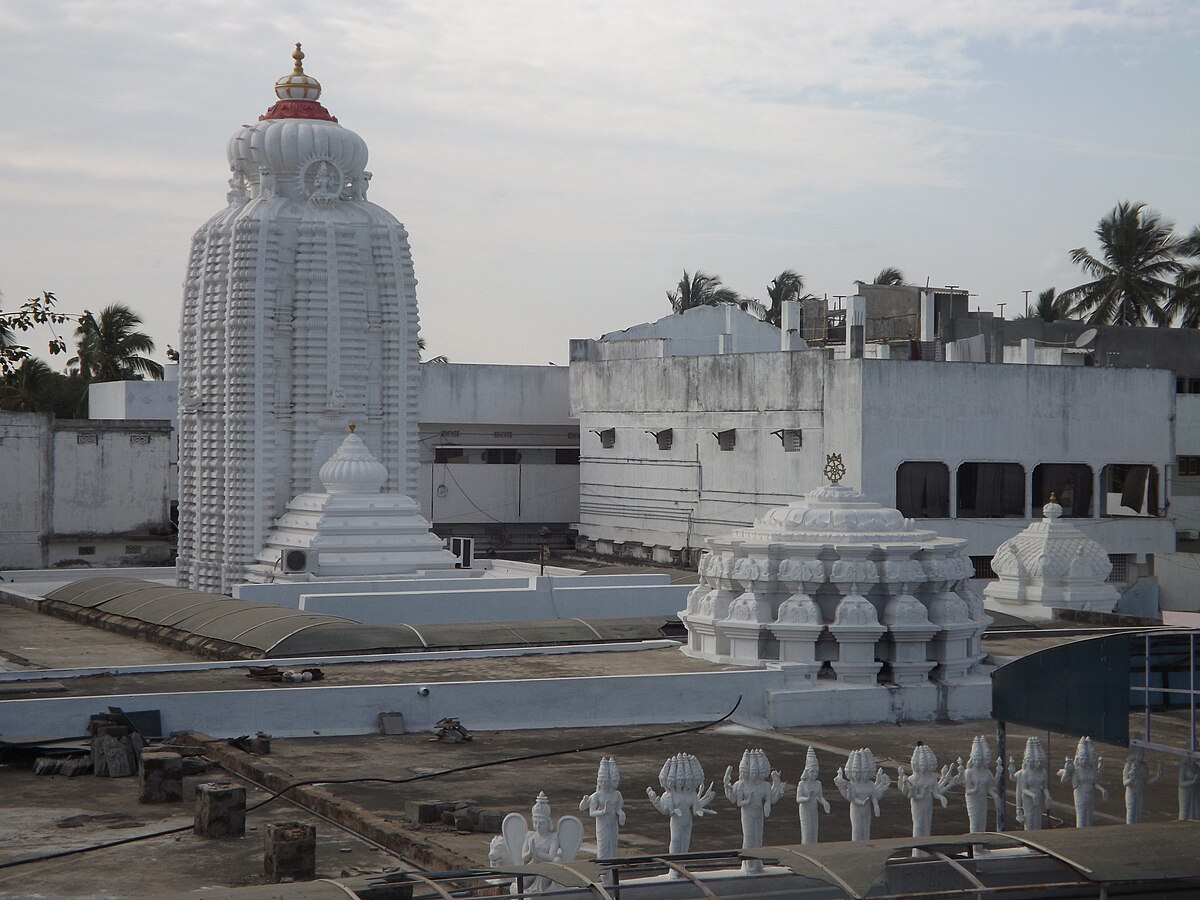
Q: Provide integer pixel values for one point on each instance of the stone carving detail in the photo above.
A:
(266, 183)
(979, 784)
(1083, 772)
(1031, 784)
(237, 195)
(855, 572)
(810, 795)
(802, 571)
(1136, 778)
(1189, 790)
(544, 843)
(683, 799)
(863, 783)
(606, 806)
(923, 784)
(799, 609)
(757, 789)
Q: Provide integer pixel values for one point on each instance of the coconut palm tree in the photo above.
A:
(787, 285)
(889, 275)
(1134, 277)
(109, 346)
(23, 389)
(1185, 299)
(700, 289)
(1050, 307)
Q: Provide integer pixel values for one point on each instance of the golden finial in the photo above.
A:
(352, 427)
(1053, 497)
(298, 56)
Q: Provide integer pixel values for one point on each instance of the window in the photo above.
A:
(991, 490)
(1130, 489)
(1189, 465)
(86, 437)
(501, 456)
(564, 457)
(608, 438)
(449, 455)
(923, 490)
(983, 567)
(143, 439)
(1071, 485)
(87, 550)
(727, 439)
(663, 438)
(133, 549)
(791, 438)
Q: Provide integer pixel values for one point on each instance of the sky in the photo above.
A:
(559, 163)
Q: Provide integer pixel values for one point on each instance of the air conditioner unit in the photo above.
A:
(463, 549)
(295, 561)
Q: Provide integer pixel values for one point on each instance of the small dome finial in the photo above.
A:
(296, 85)
(298, 56)
(352, 427)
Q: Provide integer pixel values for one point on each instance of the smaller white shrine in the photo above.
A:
(350, 529)
(839, 587)
(1050, 565)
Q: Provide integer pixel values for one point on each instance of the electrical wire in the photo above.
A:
(46, 857)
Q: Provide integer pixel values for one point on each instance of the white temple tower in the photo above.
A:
(299, 315)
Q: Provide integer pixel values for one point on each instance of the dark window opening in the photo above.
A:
(501, 456)
(1189, 465)
(983, 566)
(1071, 485)
(727, 439)
(564, 457)
(449, 455)
(923, 490)
(988, 490)
(1130, 490)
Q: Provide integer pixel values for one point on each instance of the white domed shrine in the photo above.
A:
(299, 313)
(1050, 565)
(351, 529)
(838, 583)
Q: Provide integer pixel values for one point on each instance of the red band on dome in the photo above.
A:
(298, 109)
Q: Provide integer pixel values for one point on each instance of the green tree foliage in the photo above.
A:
(889, 275)
(32, 313)
(700, 289)
(34, 387)
(1185, 300)
(1134, 276)
(788, 285)
(109, 346)
(1050, 307)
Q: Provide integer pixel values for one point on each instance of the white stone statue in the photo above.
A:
(810, 795)
(863, 783)
(606, 806)
(266, 182)
(237, 188)
(923, 784)
(757, 789)
(1031, 786)
(979, 783)
(1189, 790)
(1084, 773)
(1136, 778)
(683, 798)
(543, 843)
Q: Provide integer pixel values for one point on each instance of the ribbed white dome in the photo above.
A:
(353, 469)
(294, 150)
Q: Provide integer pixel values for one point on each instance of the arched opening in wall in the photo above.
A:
(991, 490)
(1130, 489)
(1071, 485)
(923, 490)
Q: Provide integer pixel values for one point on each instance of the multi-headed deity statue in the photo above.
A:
(684, 797)
(979, 783)
(1136, 779)
(1031, 785)
(757, 789)
(863, 783)
(1083, 772)
(544, 843)
(923, 784)
(810, 795)
(606, 806)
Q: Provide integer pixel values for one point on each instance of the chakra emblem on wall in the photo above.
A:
(835, 471)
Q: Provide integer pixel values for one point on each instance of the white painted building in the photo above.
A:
(679, 450)
(299, 315)
(83, 492)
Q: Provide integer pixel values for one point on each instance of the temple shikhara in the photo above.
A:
(299, 315)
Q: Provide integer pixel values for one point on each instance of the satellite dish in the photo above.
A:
(1086, 338)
